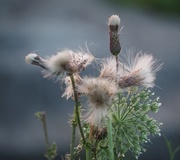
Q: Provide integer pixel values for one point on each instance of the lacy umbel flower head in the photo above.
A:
(66, 61)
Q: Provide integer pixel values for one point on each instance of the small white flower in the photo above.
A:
(139, 71)
(114, 20)
(159, 104)
(100, 94)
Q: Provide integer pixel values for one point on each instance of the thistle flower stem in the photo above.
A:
(110, 140)
(77, 108)
(73, 136)
(117, 63)
(117, 67)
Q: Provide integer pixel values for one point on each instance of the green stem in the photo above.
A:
(73, 136)
(77, 108)
(129, 107)
(88, 153)
(110, 140)
(43, 119)
(117, 68)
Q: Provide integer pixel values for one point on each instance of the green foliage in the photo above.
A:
(172, 152)
(128, 126)
(131, 122)
(114, 127)
(110, 140)
(51, 153)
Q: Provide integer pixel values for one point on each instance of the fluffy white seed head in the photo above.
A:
(58, 63)
(63, 63)
(80, 60)
(140, 71)
(108, 69)
(114, 20)
(67, 61)
(100, 94)
(144, 69)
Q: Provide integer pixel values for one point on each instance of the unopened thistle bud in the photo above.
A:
(114, 24)
(34, 59)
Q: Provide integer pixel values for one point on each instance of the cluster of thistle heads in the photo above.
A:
(116, 74)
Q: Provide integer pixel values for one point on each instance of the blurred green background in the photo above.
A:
(161, 6)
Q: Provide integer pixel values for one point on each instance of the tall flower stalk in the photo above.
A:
(116, 118)
(115, 47)
(77, 104)
(73, 137)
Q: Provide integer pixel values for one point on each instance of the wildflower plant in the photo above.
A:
(116, 117)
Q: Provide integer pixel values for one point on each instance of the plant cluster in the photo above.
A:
(116, 118)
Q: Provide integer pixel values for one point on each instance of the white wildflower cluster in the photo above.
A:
(104, 91)
(139, 70)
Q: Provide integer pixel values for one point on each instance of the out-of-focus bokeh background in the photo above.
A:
(47, 26)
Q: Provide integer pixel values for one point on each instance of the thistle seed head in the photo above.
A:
(108, 69)
(100, 94)
(139, 71)
(63, 63)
